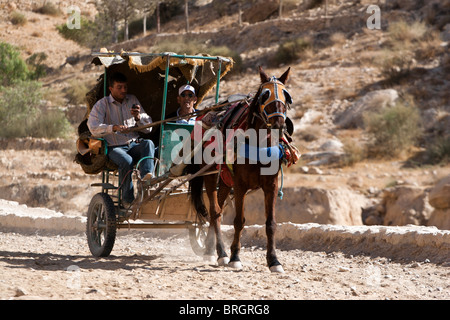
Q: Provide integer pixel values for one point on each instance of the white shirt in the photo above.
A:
(186, 121)
(107, 112)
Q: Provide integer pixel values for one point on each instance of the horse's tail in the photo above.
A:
(196, 191)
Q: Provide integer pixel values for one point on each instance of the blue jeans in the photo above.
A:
(127, 156)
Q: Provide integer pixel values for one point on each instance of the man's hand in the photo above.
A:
(136, 112)
(122, 129)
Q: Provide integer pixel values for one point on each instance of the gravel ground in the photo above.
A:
(150, 265)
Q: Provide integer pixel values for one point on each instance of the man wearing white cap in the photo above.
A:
(186, 99)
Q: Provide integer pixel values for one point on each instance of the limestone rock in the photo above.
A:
(440, 218)
(260, 11)
(304, 204)
(332, 145)
(352, 117)
(406, 205)
(439, 196)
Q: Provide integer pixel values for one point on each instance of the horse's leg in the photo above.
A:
(215, 212)
(210, 243)
(239, 221)
(223, 193)
(270, 193)
(211, 236)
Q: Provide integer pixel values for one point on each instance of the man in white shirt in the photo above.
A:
(110, 118)
(186, 99)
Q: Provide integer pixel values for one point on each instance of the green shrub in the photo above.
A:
(225, 51)
(12, 67)
(396, 65)
(85, 36)
(407, 42)
(18, 19)
(292, 50)
(402, 32)
(439, 150)
(51, 124)
(36, 65)
(18, 108)
(393, 130)
(20, 115)
(76, 92)
(49, 9)
(353, 153)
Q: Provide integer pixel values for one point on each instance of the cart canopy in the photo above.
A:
(146, 77)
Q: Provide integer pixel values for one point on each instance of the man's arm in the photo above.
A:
(96, 121)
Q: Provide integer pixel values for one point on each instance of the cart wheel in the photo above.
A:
(101, 225)
(197, 236)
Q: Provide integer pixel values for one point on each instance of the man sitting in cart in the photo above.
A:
(111, 119)
(186, 99)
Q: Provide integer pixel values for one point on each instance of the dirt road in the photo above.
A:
(145, 265)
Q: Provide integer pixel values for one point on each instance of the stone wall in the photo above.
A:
(304, 205)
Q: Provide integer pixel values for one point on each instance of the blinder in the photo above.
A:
(271, 92)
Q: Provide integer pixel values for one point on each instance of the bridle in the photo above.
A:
(271, 92)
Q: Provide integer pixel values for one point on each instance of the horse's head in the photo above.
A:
(273, 100)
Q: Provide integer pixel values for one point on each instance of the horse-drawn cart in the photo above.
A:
(163, 201)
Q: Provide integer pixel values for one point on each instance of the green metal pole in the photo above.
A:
(166, 80)
(164, 103)
(218, 80)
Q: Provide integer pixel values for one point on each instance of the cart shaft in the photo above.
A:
(154, 225)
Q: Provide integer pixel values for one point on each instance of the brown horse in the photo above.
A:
(267, 110)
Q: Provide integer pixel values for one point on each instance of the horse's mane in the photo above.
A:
(253, 110)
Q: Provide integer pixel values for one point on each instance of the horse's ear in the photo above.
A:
(264, 77)
(284, 78)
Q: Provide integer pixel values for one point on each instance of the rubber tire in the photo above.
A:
(101, 242)
(197, 237)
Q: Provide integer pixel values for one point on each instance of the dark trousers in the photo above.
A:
(128, 155)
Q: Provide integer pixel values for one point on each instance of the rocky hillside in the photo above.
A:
(341, 70)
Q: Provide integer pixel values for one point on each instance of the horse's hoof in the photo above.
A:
(209, 259)
(277, 269)
(223, 261)
(235, 265)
